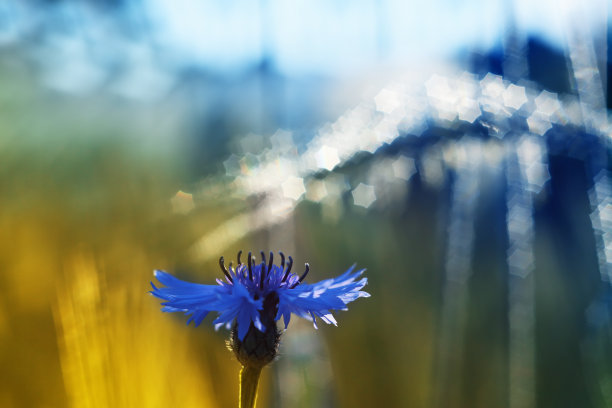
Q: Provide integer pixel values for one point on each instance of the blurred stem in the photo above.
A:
(249, 378)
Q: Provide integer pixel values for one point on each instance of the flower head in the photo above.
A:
(257, 295)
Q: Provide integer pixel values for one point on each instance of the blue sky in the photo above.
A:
(337, 36)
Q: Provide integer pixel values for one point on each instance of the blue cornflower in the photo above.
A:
(256, 296)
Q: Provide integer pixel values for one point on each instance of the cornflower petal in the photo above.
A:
(241, 297)
(193, 299)
(310, 300)
(239, 306)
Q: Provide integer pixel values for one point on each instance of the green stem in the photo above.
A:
(249, 378)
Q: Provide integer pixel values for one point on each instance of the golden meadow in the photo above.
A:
(85, 217)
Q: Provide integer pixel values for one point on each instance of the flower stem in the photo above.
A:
(249, 378)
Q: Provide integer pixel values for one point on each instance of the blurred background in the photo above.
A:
(457, 150)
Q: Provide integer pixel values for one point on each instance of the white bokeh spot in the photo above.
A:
(364, 195)
(293, 187)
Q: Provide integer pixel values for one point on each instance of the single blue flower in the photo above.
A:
(259, 295)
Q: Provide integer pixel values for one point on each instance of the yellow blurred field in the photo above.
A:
(85, 217)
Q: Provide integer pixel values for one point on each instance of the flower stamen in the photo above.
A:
(250, 268)
(305, 272)
(222, 265)
(238, 257)
(302, 277)
(262, 271)
(289, 265)
(282, 260)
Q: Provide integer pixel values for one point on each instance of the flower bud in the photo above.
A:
(258, 349)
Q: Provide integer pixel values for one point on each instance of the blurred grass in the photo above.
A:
(85, 218)
(383, 352)
(112, 353)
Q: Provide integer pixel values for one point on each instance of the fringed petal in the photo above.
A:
(316, 300)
